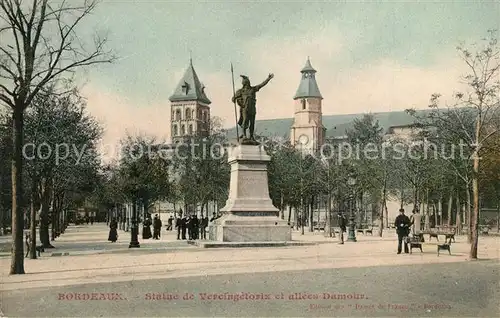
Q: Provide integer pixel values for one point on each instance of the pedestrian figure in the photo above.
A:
(113, 234)
(146, 229)
(169, 223)
(156, 227)
(402, 224)
(87, 219)
(184, 224)
(189, 227)
(416, 220)
(195, 226)
(203, 227)
(91, 220)
(343, 226)
(178, 225)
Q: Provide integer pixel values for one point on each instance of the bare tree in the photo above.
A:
(39, 44)
(482, 98)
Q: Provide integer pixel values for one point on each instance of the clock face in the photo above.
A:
(303, 139)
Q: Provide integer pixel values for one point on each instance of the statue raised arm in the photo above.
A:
(246, 99)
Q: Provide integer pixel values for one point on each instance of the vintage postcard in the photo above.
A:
(164, 158)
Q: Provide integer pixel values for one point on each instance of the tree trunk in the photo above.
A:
(282, 208)
(17, 263)
(450, 203)
(468, 220)
(384, 198)
(328, 215)
(438, 212)
(1, 203)
(311, 214)
(33, 226)
(459, 216)
(44, 214)
(427, 215)
(290, 214)
(475, 215)
(296, 217)
(498, 217)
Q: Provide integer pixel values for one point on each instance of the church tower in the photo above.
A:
(190, 108)
(307, 130)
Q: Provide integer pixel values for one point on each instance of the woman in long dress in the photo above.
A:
(146, 229)
(113, 234)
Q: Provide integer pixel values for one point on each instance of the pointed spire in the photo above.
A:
(308, 67)
(308, 86)
(190, 87)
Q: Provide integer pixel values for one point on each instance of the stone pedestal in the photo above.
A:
(249, 214)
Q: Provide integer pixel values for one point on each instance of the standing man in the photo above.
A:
(342, 225)
(184, 224)
(402, 224)
(246, 99)
(169, 223)
(204, 225)
(178, 225)
(195, 227)
(156, 227)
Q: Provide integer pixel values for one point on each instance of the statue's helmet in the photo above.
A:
(246, 80)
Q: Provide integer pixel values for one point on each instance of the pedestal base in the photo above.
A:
(249, 213)
(234, 228)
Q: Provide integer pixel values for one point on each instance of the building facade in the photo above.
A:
(190, 108)
(307, 131)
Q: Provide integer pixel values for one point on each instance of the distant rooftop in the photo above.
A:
(336, 125)
(190, 88)
(308, 86)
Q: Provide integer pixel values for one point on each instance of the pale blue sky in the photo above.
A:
(370, 56)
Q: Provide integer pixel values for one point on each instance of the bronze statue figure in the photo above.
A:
(245, 97)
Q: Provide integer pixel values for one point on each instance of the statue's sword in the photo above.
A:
(235, 111)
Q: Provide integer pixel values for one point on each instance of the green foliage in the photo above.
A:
(201, 168)
(61, 146)
(143, 172)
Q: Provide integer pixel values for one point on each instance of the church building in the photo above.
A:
(190, 108)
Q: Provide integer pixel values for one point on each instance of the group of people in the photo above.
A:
(403, 225)
(195, 227)
(146, 228)
(188, 227)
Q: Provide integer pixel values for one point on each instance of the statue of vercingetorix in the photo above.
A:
(245, 97)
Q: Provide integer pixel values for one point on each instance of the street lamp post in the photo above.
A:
(352, 234)
(134, 229)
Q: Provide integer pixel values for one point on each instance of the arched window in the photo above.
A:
(183, 130)
(190, 129)
(204, 116)
(303, 103)
(188, 113)
(178, 114)
(200, 116)
(175, 130)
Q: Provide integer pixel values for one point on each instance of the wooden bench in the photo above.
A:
(365, 229)
(448, 233)
(418, 242)
(484, 229)
(320, 226)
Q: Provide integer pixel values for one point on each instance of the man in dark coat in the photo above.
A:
(178, 225)
(402, 224)
(195, 227)
(203, 226)
(156, 227)
(169, 223)
(343, 226)
(184, 224)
